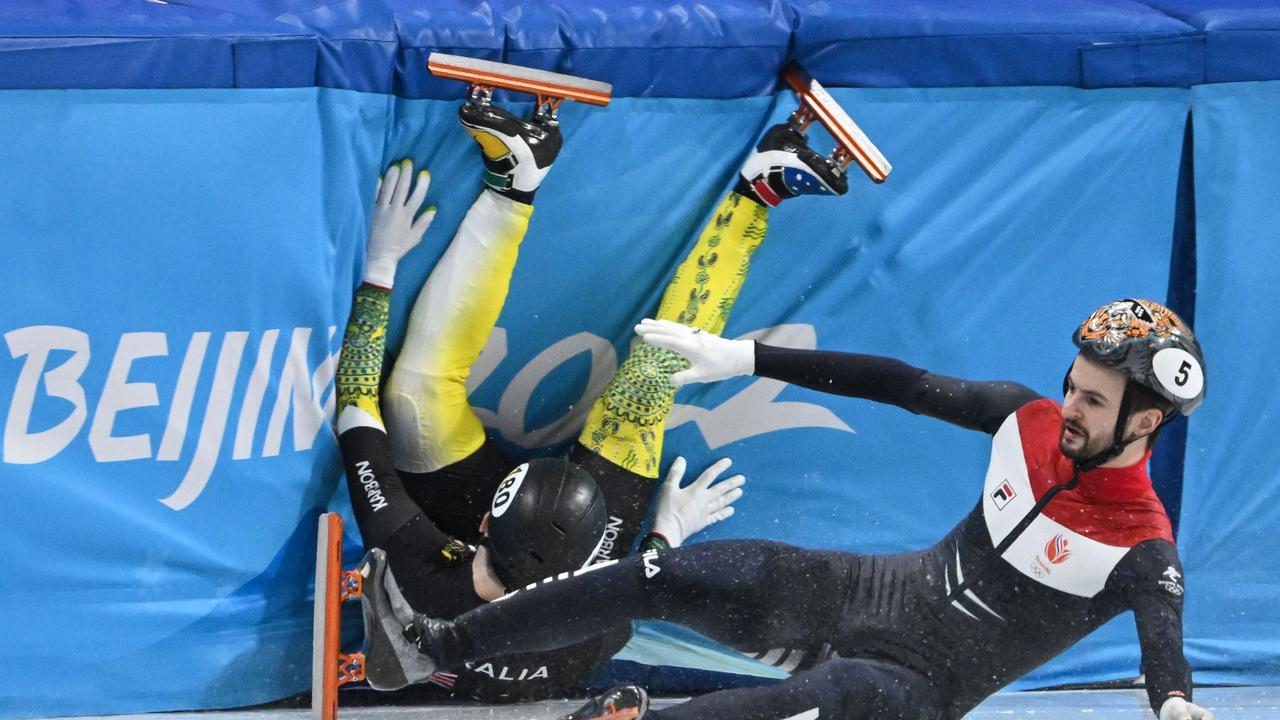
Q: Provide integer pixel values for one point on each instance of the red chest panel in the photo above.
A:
(1116, 506)
(1075, 542)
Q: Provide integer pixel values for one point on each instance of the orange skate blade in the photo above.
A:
(855, 144)
(331, 668)
(542, 83)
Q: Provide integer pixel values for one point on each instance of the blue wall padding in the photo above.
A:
(172, 213)
(227, 212)
(353, 45)
(1176, 62)
(1242, 37)
(1229, 512)
(1169, 455)
(725, 49)
(706, 51)
(201, 179)
(137, 44)
(891, 44)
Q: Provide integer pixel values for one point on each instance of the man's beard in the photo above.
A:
(1084, 450)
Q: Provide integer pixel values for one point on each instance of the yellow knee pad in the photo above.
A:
(429, 421)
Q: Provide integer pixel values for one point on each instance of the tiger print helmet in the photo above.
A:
(1150, 345)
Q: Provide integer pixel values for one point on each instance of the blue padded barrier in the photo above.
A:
(726, 49)
(179, 267)
(1232, 477)
(355, 45)
(985, 236)
(155, 230)
(1242, 37)
(889, 44)
(58, 44)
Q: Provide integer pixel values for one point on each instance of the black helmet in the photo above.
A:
(1150, 345)
(548, 517)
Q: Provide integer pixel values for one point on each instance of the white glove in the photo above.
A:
(684, 511)
(1175, 708)
(394, 231)
(711, 356)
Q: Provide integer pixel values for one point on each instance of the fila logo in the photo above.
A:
(651, 563)
(1056, 550)
(1003, 495)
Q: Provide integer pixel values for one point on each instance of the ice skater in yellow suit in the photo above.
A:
(551, 515)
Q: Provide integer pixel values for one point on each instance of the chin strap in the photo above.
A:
(1120, 442)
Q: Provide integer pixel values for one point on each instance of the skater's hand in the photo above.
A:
(711, 357)
(1175, 708)
(684, 511)
(394, 230)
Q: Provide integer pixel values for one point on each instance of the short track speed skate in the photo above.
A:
(330, 667)
(388, 661)
(622, 702)
(517, 152)
(550, 88)
(852, 145)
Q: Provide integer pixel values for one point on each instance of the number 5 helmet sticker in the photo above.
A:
(1150, 345)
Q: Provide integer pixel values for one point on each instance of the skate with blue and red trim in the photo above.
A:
(783, 166)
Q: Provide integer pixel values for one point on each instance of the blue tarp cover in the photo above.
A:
(729, 48)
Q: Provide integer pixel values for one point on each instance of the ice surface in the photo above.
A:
(1243, 703)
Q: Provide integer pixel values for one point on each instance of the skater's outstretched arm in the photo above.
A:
(684, 511)
(621, 444)
(380, 503)
(973, 405)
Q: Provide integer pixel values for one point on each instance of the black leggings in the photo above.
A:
(749, 595)
(838, 689)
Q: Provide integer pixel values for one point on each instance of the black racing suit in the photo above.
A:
(433, 569)
(1039, 563)
(457, 467)
(415, 518)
